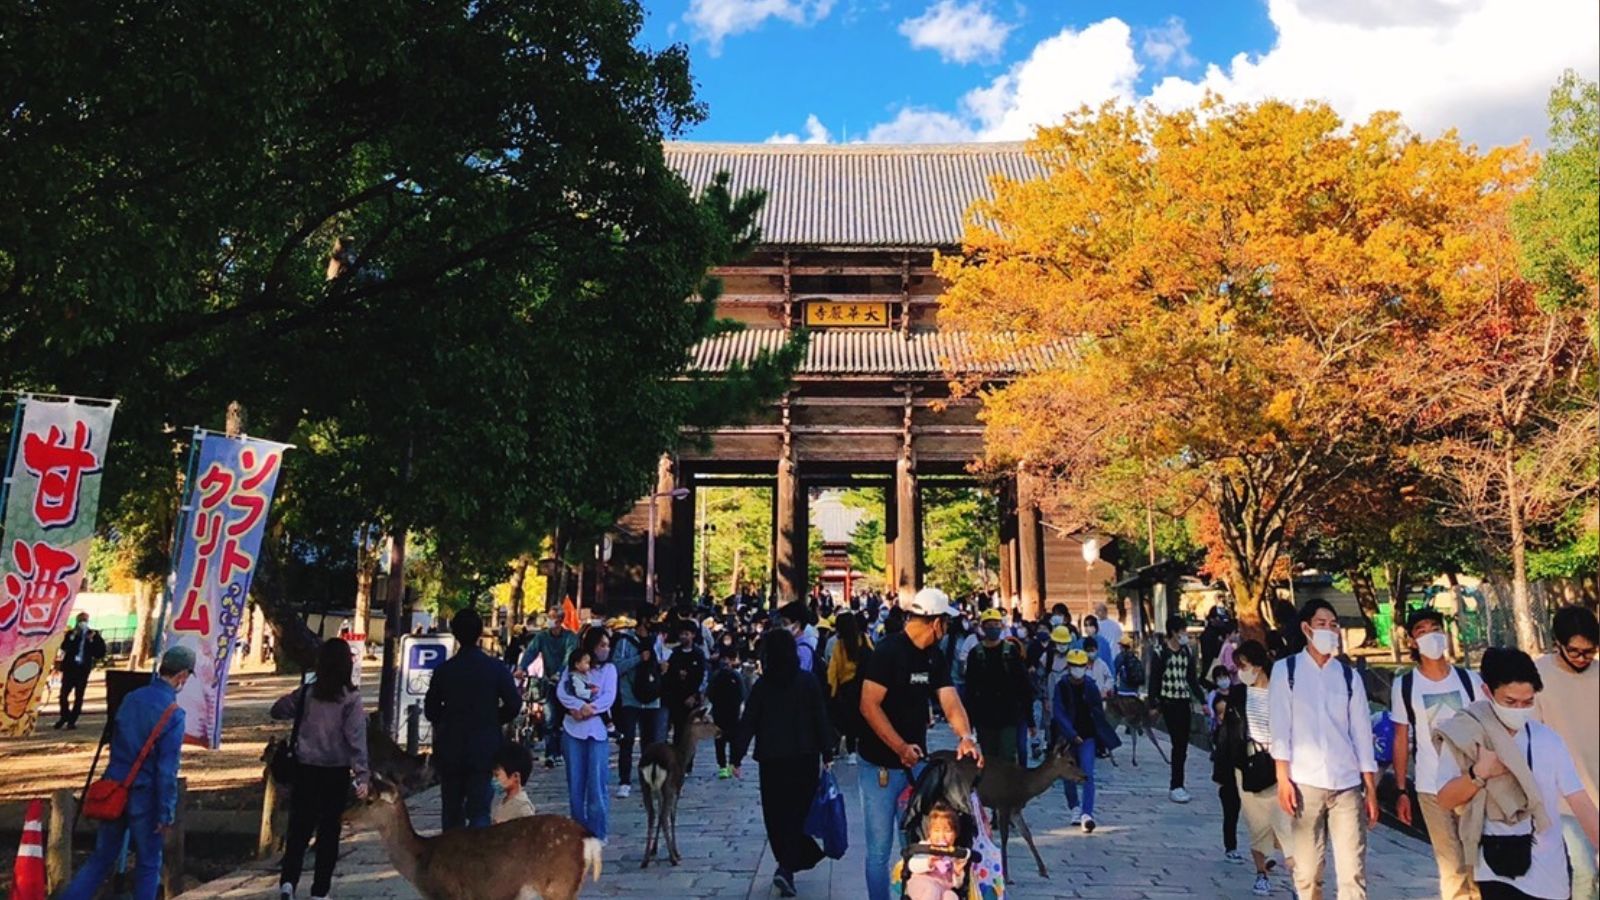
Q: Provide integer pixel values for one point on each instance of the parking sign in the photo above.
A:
(420, 654)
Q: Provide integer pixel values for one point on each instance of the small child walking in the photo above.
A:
(1222, 766)
(726, 693)
(513, 764)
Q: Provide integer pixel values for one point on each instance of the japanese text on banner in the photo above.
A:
(225, 514)
(48, 522)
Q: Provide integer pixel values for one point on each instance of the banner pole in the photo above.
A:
(11, 455)
(180, 524)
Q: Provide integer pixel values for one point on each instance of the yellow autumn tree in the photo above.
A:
(1223, 293)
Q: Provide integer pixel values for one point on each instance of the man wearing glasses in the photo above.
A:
(1570, 704)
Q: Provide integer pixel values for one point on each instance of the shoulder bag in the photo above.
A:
(107, 799)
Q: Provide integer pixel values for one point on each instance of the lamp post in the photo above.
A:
(650, 545)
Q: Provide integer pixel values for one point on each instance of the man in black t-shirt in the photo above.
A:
(905, 673)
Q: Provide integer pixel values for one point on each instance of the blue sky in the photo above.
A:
(894, 70)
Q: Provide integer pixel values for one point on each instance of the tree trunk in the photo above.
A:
(1397, 576)
(144, 594)
(519, 577)
(397, 621)
(1521, 601)
(1366, 599)
(296, 645)
(366, 574)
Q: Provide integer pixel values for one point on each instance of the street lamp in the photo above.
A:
(650, 547)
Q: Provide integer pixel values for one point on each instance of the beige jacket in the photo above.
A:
(1511, 798)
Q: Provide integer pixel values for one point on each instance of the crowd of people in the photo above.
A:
(1498, 764)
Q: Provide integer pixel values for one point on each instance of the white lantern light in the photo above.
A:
(1091, 550)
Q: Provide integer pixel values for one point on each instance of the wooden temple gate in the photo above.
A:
(848, 239)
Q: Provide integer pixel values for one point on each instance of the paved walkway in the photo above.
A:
(1145, 846)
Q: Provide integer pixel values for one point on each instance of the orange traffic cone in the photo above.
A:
(27, 875)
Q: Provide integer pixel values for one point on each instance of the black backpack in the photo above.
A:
(646, 681)
(1130, 672)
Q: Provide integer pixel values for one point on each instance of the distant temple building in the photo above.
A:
(848, 235)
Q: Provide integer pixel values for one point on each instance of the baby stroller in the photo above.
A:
(954, 784)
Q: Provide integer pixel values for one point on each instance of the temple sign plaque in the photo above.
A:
(846, 314)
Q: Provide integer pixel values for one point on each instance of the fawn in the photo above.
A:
(661, 772)
(536, 856)
(1006, 787)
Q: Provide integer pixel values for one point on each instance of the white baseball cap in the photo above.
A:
(929, 602)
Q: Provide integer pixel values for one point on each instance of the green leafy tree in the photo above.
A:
(434, 245)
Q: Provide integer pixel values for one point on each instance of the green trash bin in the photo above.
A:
(1383, 623)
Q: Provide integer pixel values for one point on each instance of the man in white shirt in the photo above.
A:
(1322, 742)
(1423, 699)
(1110, 628)
(1512, 683)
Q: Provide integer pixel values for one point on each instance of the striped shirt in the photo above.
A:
(1258, 713)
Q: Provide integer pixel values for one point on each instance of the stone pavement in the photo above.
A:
(1145, 846)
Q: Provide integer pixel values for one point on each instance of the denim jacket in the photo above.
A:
(155, 788)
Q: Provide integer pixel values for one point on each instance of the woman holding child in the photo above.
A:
(587, 689)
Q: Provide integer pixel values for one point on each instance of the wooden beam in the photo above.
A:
(726, 271)
(885, 402)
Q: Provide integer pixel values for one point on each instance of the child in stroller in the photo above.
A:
(947, 850)
(937, 865)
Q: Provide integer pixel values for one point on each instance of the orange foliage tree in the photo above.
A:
(1222, 294)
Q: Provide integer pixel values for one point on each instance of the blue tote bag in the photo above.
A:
(826, 821)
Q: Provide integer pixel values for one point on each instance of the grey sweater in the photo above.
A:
(332, 733)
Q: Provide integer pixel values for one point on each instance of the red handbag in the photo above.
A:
(107, 799)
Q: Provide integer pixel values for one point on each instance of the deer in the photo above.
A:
(1006, 787)
(535, 856)
(1138, 719)
(661, 774)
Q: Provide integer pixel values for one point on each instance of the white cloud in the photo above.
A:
(1167, 45)
(920, 126)
(1484, 66)
(961, 32)
(714, 20)
(815, 133)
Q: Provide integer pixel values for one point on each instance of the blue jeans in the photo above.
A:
(139, 825)
(1085, 752)
(881, 820)
(586, 760)
(554, 715)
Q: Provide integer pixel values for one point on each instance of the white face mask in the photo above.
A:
(1512, 717)
(1075, 671)
(1183, 640)
(1247, 677)
(1325, 640)
(1223, 684)
(1054, 621)
(1433, 644)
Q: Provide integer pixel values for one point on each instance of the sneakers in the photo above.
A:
(1087, 822)
(1233, 856)
(1179, 795)
(286, 891)
(784, 882)
(1263, 886)
(624, 791)
(724, 773)
(852, 759)
(1074, 814)
(550, 762)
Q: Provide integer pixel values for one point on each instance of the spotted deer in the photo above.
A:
(535, 856)
(661, 774)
